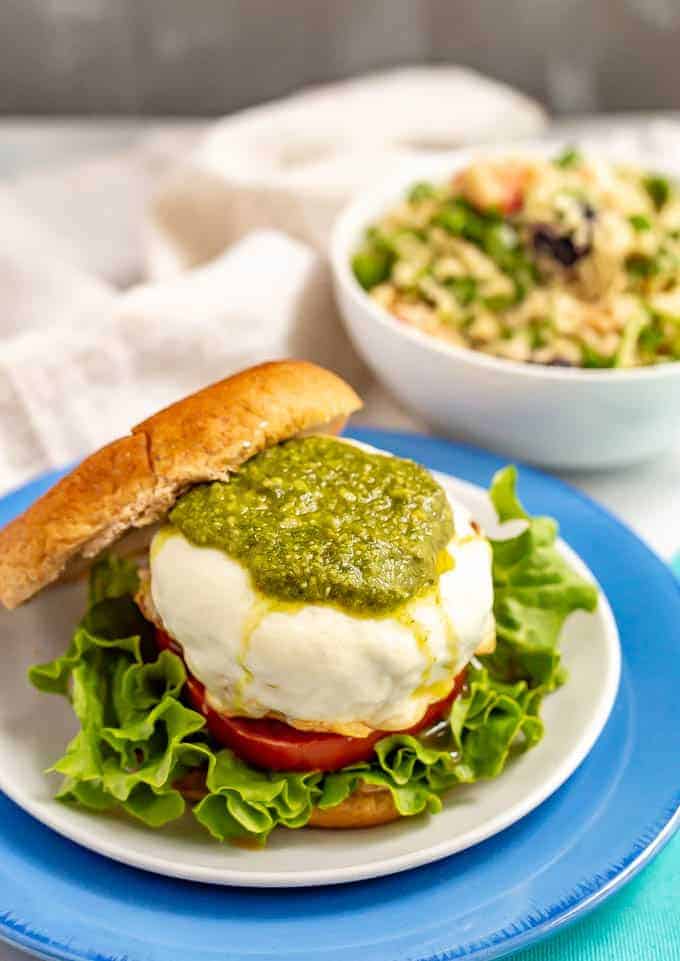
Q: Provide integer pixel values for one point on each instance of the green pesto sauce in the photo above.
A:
(315, 519)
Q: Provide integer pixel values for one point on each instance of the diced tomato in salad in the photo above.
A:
(494, 186)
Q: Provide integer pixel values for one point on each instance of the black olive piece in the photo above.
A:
(560, 247)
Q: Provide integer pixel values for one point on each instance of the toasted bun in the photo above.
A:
(135, 480)
(367, 807)
(363, 809)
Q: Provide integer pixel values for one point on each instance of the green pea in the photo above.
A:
(642, 266)
(464, 289)
(659, 189)
(421, 191)
(539, 333)
(453, 218)
(592, 359)
(639, 222)
(372, 266)
(650, 339)
(570, 157)
(499, 302)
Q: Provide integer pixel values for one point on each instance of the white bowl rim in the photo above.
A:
(366, 205)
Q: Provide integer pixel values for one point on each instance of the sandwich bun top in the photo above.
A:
(136, 479)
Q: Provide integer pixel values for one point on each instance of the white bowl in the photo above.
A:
(557, 417)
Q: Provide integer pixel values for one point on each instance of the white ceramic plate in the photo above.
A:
(34, 729)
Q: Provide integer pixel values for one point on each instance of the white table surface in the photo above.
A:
(646, 497)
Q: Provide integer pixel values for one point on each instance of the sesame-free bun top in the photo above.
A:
(135, 480)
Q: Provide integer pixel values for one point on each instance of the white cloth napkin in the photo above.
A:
(94, 208)
(87, 370)
(292, 164)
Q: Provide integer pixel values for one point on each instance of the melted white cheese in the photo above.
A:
(317, 665)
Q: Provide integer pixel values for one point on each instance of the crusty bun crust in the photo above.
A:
(135, 480)
(367, 807)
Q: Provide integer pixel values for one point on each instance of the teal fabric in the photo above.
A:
(639, 923)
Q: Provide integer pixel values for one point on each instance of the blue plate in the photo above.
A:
(61, 901)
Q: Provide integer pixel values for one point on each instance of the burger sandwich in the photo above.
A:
(295, 629)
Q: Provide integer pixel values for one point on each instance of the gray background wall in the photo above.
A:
(211, 56)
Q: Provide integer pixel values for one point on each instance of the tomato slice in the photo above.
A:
(279, 747)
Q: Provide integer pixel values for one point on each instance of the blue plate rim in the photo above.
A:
(659, 834)
(535, 928)
(16, 935)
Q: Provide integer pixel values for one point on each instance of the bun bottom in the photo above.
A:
(366, 808)
(363, 809)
